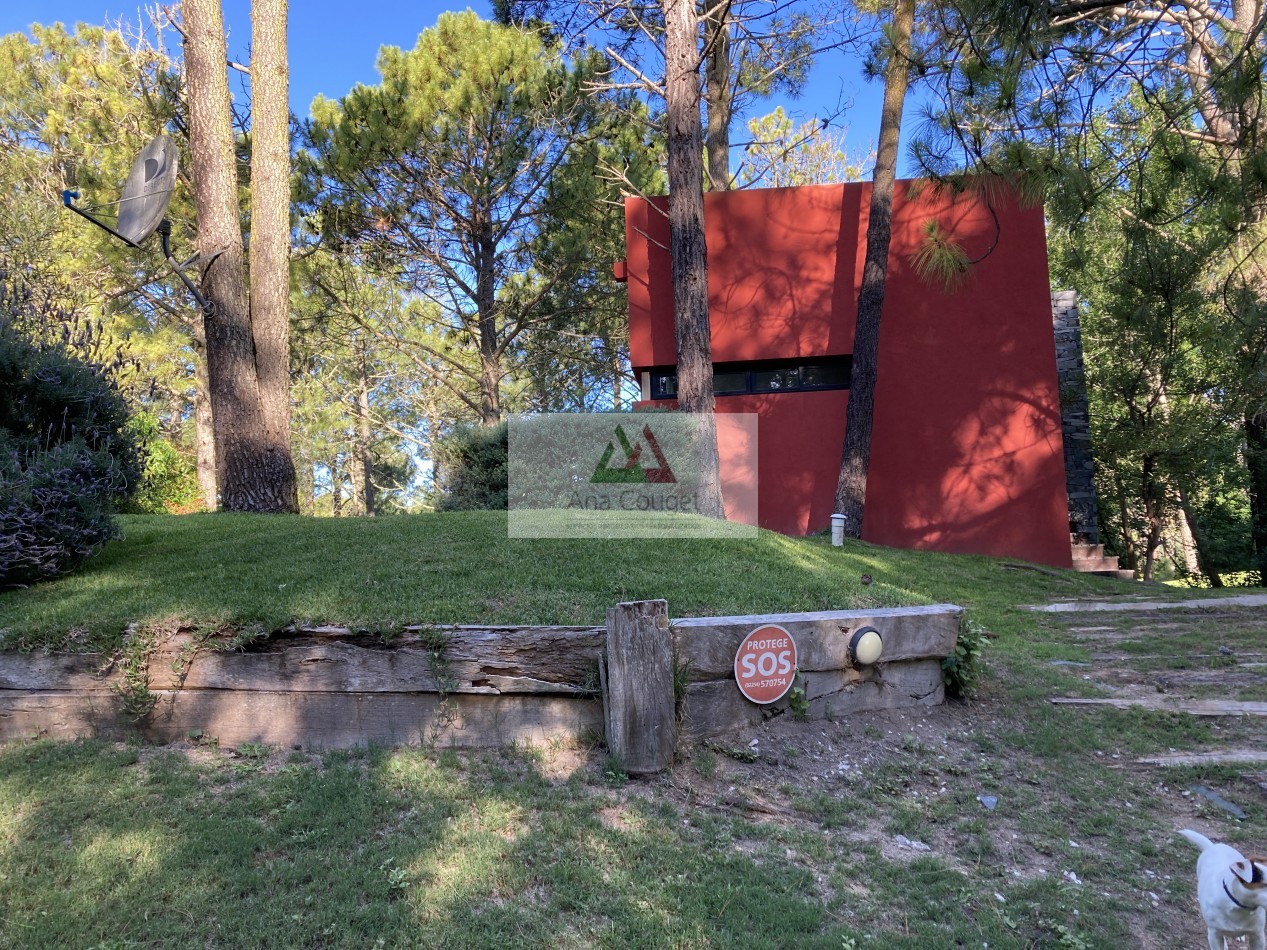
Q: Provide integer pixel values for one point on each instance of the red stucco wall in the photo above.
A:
(966, 452)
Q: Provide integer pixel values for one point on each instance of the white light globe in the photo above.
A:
(865, 646)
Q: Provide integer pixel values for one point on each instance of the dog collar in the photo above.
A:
(1232, 898)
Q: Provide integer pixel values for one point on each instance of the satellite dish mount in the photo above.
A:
(142, 207)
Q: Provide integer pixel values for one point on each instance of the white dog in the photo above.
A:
(1232, 892)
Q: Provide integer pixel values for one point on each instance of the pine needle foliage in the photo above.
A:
(939, 259)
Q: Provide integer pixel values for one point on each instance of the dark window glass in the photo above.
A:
(730, 381)
(825, 375)
(757, 377)
(776, 380)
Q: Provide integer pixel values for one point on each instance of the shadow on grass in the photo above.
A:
(118, 845)
(110, 845)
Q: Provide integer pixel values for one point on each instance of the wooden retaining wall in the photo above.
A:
(916, 639)
(324, 687)
(473, 686)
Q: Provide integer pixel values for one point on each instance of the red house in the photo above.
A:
(967, 449)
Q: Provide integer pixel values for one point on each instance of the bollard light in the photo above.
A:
(837, 531)
(865, 646)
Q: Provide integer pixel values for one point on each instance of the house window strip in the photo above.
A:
(763, 377)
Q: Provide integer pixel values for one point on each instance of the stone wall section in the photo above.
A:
(1075, 418)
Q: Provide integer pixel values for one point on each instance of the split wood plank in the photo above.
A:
(1098, 606)
(315, 720)
(41, 671)
(1234, 757)
(489, 660)
(638, 663)
(1195, 707)
(707, 645)
(716, 707)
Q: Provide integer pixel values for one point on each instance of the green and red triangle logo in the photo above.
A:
(633, 471)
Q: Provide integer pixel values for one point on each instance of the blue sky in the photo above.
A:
(331, 50)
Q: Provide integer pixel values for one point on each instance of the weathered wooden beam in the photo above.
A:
(42, 671)
(1195, 707)
(1233, 757)
(489, 660)
(1204, 603)
(707, 645)
(291, 719)
(638, 661)
(714, 707)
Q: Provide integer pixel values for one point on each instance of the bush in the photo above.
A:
(962, 669)
(471, 469)
(65, 457)
(169, 477)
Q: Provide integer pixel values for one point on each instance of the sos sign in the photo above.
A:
(765, 664)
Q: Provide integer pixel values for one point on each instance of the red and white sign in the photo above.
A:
(765, 664)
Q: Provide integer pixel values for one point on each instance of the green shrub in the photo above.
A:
(961, 670)
(66, 457)
(169, 478)
(471, 469)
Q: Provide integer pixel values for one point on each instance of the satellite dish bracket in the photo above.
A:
(67, 195)
(165, 236)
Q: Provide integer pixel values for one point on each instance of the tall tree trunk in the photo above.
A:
(363, 464)
(336, 488)
(306, 478)
(490, 383)
(1180, 544)
(1153, 494)
(270, 235)
(356, 497)
(251, 475)
(719, 95)
(851, 486)
(617, 377)
(1200, 540)
(204, 427)
(687, 248)
(1127, 550)
(1256, 463)
(486, 305)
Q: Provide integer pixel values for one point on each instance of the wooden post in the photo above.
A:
(638, 687)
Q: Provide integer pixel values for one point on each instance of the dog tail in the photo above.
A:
(1198, 839)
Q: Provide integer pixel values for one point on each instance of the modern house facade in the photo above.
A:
(967, 452)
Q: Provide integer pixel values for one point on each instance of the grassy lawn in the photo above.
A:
(869, 831)
(461, 568)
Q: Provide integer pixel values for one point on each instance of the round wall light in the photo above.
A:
(865, 646)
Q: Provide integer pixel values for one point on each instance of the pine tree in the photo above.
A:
(256, 471)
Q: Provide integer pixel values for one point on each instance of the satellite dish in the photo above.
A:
(146, 194)
(148, 190)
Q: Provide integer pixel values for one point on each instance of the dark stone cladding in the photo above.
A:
(1075, 418)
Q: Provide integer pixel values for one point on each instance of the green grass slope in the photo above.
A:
(797, 845)
(243, 570)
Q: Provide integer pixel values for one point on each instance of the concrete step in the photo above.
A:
(1093, 565)
(1091, 559)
